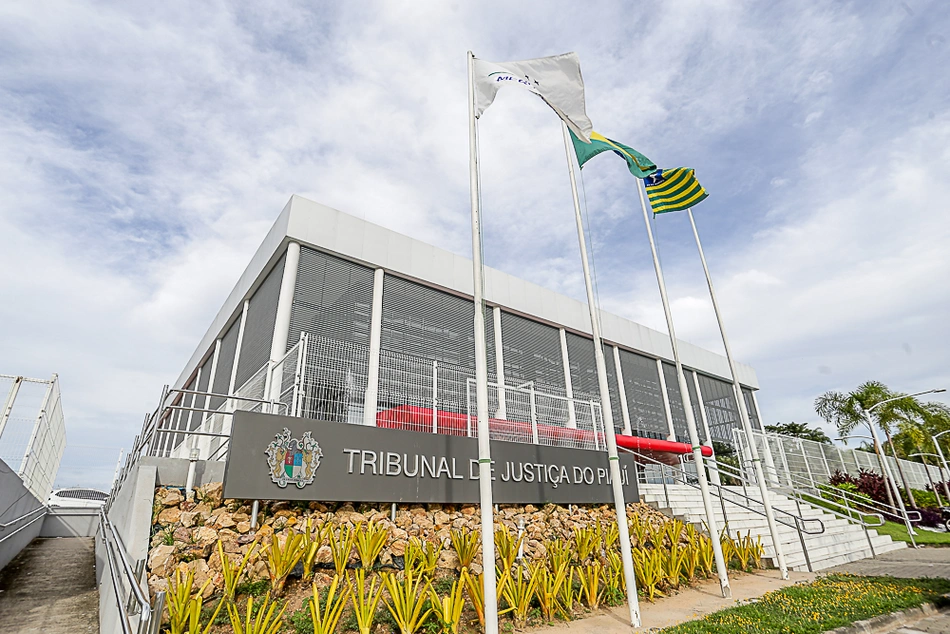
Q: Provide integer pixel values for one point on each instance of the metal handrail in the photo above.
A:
(717, 490)
(32, 521)
(6, 525)
(881, 508)
(113, 544)
(848, 514)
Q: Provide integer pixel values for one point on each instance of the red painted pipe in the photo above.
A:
(412, 418)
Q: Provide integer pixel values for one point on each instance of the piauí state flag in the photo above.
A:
(673, 190)
(639, 165)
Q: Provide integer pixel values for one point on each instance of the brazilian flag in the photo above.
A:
(673, 190)
(639, 165)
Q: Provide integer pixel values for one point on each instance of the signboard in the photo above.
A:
(288, 458)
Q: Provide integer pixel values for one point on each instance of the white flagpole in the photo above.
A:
(481, 374)
(743, 413)
(609, 432)
(711, 523)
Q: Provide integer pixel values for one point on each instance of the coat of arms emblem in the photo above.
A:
(293, 461)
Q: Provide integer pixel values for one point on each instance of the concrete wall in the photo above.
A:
(131, 514)
(60, 522)
(173, 472)
(16, 500)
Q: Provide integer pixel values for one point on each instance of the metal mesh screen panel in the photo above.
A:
(333, 298)
(750, 407)
(644, 400)
(259, 327)
(222, 374)
(580, 355)
(613, 389)
(532, 353)
(676, 402)
(722, 412)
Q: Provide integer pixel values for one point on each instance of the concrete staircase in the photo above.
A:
(840, 543)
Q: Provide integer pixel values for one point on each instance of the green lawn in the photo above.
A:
(824, 604)
(898, 532)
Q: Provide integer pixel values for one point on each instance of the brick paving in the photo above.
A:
(907, 563)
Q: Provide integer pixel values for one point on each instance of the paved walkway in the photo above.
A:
(691, 603)
(937, 624)
(905, 563)
(50, 588)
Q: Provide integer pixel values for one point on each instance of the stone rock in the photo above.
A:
(240, 516)
(284, 513)
(182, 535)
(172, 497)
(189, 518)
(441, 517)
(203, 508)
(530, 508)
(169, 516)
(243, 527)
(205, 535)
(264, 532)
(448, 559)
(398, 548)
(469, 509)
(224, 520)
(159, 557)
(212, 493)
(324, 555)
(319, 507)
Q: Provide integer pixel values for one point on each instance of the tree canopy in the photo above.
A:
(799, 430)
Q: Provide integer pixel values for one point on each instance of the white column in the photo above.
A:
(237, 348)
(371, 399)
(499, 364)
(285, 304)
(666, 401)
(568, 384)
(713, 473)
(622, 394)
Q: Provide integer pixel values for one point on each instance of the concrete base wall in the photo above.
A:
(79, 523)
(173, 472)
(16, 500)
(131, 514)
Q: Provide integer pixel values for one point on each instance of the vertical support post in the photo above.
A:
(767, 449)
(616, 479)
(743, 412)
(8, 404)
(532, 403)
(499, 364)
(371, 401)
(481, 372)
(568, 383)
(788, 472)
(593, 424)
(713, 473)
(711, 523)
(943, 460)
(811, 477)
(666, 400)
(622, 394)
(435, 397)
(285, 303)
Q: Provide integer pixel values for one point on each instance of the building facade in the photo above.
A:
(343, 320)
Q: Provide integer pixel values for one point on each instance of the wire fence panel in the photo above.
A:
(33, 435)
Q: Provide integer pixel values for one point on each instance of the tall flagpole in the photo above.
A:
(743, 413)
(711, 523)
(481, 374)
(609, 431)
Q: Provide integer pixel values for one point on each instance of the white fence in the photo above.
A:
(816, 462)
(32, 430)
(327, 380)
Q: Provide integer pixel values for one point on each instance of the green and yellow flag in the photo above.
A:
(639, 165)
(673, 190)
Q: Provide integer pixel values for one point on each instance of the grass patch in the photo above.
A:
(898, 532)
(824, 604)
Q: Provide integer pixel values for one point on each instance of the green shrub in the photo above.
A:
(252, 588)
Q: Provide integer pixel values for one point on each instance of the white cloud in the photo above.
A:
(144, 153)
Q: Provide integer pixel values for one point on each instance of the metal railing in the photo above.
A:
(42, 510)
(134, 601)
(669, 474)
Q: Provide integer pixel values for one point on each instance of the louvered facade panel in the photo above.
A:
(580, 354)
(721, 408)
(333, 298)
(612, 388)
(753, 412)
(532, 353)
(676, 403)
(259, 326)
(222, 375)
(431, 324)
(644, 399)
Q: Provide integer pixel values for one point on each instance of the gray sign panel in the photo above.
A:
(353, 463)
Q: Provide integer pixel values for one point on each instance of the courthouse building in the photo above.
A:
(343, 320)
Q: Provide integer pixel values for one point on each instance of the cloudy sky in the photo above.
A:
(145, 149)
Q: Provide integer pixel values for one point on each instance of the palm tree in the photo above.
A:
(847, 411)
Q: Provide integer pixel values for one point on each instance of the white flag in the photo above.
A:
(557, 80)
